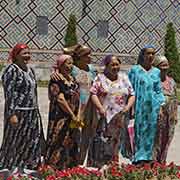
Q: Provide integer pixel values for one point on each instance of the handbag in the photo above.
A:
(79, 122)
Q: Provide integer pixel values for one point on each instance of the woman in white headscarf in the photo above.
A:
(168, 117)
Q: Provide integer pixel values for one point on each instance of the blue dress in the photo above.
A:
(84, 79)
(149, 98)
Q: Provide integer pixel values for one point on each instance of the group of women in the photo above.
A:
(89, 111)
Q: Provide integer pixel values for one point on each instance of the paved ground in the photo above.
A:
(174, 151)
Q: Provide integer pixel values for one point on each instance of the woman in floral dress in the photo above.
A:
(62, 140)
(168, 117)
(23, 134)
(112, 95)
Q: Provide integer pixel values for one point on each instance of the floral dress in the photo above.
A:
(22, 143)
(62, 141)
(149, 98)
(113, 96)
(167, 120)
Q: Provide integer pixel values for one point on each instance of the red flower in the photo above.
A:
(147, 167)
(178, 175)
(171, 165)
(130, 168)
(50, 177)
(156, 165)
(10, 178)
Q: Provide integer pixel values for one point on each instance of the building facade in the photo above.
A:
(119, 26)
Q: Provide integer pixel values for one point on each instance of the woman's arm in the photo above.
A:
(95, 90)
(130, 103)
(9, 84)
(98, 105)
(65, 106)
(55, 94)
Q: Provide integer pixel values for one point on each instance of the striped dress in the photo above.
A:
(22, 143)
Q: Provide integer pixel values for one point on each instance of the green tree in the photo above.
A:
(70, 37)
(171, 52)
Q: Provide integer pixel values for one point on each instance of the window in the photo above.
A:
(17, 2)
(42, 25)
(102, 29)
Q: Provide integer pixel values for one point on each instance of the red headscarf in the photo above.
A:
(16, 50)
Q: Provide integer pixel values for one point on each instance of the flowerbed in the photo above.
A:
(112, 172)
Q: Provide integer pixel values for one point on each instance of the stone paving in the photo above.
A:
(174, 151)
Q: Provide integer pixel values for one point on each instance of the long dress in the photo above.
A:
(105, 142)
(22, 143)
(167, 120)
(62, 141)
(149, 98)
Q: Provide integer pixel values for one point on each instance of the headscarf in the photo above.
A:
(84, 50)
(141, 54)
(16, 50)
(70, 50)
(107, 59)
(60, 60)
(159, 60)
(80, 51)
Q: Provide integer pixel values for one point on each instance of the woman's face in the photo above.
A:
(149, 56)
(67, 66)
(86, 59)
(23, 57)
(164, 66)
(114, 66)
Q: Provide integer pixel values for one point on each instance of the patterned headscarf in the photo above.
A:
(141, 54)
(60, 60)
(16, 50)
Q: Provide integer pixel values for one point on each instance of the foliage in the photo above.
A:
(171, 52)
(114, 172)
(178, 94)
(70, 37)
(1, 67)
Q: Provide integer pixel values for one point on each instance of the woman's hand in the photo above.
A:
(161, 112)
(102, 112)
(56, 76)
(126, 109)
(73, 116)
(13, 120)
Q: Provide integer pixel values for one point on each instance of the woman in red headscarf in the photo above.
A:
(21, 146)
(62, 138)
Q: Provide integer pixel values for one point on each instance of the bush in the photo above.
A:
(1, 67)
(70, 37)
(171, 52)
